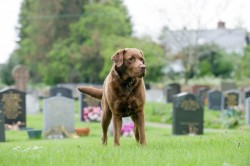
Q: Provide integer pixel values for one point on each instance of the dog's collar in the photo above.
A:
(128, 83)
(129, 87)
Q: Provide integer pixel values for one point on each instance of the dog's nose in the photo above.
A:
(143, 67)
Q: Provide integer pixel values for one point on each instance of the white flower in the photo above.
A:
(16, 148)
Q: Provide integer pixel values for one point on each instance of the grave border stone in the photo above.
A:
(247, 111)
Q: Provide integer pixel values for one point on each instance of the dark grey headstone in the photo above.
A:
(89, 108)
(61, 91)
(14, 106)
(187, 114)
(230, 99)
(214, 99)
(2, 129)
(172, 89)
(247, 110)
(246, 93)
(58, 111)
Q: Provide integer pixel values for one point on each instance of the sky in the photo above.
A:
(147, 16)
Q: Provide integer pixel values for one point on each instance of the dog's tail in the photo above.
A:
(91, 91)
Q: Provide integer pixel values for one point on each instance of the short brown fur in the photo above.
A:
(123, 94)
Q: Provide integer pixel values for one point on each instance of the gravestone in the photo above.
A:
(14, 106)
(202, 94)
(214, 99)
(187, 114)
(172, 89)
(155, 95)
(58, 111)
(2, 129)
(225, 85)
(195, 88)
(21, 76)
(90, 108)
(61, 91)
(230, 99)
(32, 104)
(247, 110)
(246, 93)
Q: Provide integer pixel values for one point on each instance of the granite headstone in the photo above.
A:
(187, 114)
(61, 91)
(58, 111)
(90, 108)
(2, 129)
(230, 99)
(214, 99)
(172, 89)
(14, 106)
(247, 110)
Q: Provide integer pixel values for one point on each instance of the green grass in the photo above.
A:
(225, 147)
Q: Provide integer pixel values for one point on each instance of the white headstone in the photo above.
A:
(247, 110)
(32, 104)
(58, 111)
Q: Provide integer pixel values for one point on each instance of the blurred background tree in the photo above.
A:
(73, 41)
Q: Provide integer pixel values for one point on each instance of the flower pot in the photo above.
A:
(82, 131)
(34, 134)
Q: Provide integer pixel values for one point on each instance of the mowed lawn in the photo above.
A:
(222, 148)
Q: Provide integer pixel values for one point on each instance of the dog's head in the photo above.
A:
(131, 61)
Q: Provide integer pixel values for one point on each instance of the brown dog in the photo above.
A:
(123, 94)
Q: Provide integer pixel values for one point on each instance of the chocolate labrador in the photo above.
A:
(123, 94)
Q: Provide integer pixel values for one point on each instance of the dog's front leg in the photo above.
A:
(141, 128)
(117, 123)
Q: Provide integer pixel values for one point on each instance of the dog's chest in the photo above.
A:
(127, 106)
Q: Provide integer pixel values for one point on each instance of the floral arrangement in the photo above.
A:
(127, 129)
(91, 113)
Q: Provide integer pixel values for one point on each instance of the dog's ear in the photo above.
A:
(142, 53)
(118, 57)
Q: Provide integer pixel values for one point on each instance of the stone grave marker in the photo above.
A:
(90, 108)
(14, 106)
(230, 99)
(202, 94)
(2, 128)
(21, 76)
(155, 95)
(214, 99)
(61, 91)
(247, 110)
(246, 93)
(32, 104)
(172, 89)
(187, 114)
(58, 113)
(225, 85)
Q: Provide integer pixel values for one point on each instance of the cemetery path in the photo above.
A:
(168, 126)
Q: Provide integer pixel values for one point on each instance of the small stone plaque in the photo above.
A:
(188, 114)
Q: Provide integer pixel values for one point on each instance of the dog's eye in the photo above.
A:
(131, 58)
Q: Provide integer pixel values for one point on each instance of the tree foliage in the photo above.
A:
(65, 41)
